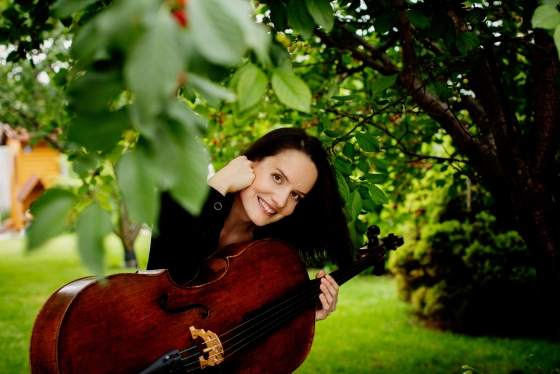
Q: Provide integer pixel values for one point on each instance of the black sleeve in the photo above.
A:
(185, 240)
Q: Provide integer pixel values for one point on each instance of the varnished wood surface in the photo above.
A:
(118, 326)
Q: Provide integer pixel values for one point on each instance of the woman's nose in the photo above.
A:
(280, 199)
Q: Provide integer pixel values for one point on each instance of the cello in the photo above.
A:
(250, 309)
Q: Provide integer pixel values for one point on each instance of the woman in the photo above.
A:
(281, 187)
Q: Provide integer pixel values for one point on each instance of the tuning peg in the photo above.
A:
(379, 268)
(391, 242)
(372, 233)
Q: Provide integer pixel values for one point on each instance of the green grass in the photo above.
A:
(371, 332)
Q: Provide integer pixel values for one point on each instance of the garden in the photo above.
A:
(440, 121)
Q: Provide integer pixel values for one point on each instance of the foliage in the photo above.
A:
(461, 269)
(391, 88)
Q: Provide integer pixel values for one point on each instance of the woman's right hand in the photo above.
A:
(233, 177)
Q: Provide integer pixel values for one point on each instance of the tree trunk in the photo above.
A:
(128, 233)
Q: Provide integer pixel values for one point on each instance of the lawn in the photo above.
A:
(371, 332)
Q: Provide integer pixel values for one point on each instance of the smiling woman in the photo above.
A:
(283, 187)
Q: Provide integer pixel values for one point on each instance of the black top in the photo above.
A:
(185, 240)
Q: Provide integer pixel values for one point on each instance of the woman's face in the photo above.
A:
(281, 181)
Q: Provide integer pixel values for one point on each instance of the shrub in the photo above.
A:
(468, 275)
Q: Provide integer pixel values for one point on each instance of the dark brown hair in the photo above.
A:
(317, 228)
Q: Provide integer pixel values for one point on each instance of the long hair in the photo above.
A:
(317, 228)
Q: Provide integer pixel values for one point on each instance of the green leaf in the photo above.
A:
(364, 192)
(251, 87)
(354, 205)
(476, 15)
(382, 84)
(384, 22)
(217, 29)
(546, 17)
(332, 134)
(437, 27)
(99, 132)
(299, 18)
(379, 164)
(361, 227)
(363, 165)
(61, 78)
(367, 142)
(418, 19)
(368, 205)
(195, 124)
(278, 15)
(376, 178)
(343, 166)
(346, 98)
(377, 195)
(321, 12)
(291, 91)
(50, 214)
(343, 189)
(65, 8)
(211, 92)
(84, 164)
(153, 65)
(349, 150)
(467, 42)
(557, 43)
(444, 92)
(182, 160)
(137, 178)
(93, 226)
(92, 92)
(449, 41)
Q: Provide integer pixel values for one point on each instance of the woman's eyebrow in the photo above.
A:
(286, 178)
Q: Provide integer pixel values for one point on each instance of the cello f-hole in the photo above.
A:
(164, 300)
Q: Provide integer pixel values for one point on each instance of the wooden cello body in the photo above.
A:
(125, 322)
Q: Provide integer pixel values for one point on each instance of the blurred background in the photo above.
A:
(441, 120)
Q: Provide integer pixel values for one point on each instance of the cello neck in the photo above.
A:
(343, 275)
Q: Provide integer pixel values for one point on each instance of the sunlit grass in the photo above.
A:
(371, 332)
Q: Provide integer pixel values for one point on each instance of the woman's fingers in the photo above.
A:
(329, 296)
(233, 177)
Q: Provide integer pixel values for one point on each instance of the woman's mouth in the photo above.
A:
(266, 207)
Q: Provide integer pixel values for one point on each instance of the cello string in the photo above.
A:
(345, 275)
(293, 312)
(188, 349)
(310, 290)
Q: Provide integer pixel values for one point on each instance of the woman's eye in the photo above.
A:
(277, 178)
(296, 196)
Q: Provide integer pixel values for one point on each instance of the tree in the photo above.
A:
(392, 88)
(468, 68)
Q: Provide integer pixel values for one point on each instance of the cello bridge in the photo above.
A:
(213, 347)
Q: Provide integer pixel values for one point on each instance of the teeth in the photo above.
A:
(266, 207)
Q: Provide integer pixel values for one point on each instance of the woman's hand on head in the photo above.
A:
(235, 176)
(328, 298)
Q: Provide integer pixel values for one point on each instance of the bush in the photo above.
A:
(468, 275)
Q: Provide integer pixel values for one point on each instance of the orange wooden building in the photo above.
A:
(34, 168)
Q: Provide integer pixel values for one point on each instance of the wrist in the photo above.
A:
(218, 185)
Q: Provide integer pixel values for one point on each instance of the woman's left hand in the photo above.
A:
(328, 298)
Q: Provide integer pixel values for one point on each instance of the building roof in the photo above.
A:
(29, 186)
